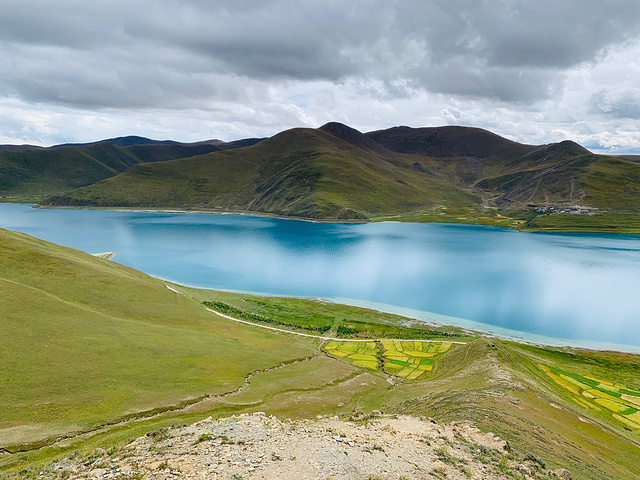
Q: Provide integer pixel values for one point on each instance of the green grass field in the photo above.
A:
(87, 342)
(363, 354)
(95, 354)
(527, 220)
(607, 222)
(323, 318)
(412, 360)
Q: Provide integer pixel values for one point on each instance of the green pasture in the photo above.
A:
(456, 214)
(86, 342)
(412, 360)
(324, 318)
(610, 222)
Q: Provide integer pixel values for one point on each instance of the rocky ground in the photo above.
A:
(260, 447)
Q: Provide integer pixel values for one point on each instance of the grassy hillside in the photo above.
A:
(92, 345)
(301, 172)
(86, 341)
(34, 173)
(613, 184)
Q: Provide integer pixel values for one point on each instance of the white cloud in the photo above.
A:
(536, 71)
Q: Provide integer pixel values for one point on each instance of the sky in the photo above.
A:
(534, 71)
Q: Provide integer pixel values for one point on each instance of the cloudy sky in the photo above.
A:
(535, 71)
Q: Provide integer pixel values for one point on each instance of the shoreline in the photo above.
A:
(381, 219)
(321, 337)
(105, 255)
(491, 331)
(476, 327)
(431, 318)
(247, 213)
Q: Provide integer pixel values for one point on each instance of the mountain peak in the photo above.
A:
(441, 142)
(352, 136)
(342, 131)
(572, 148)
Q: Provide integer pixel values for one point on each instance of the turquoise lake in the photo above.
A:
(580, 289)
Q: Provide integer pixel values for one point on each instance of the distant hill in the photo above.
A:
(244, 142)
(447, 142)
(38, 171)
(631, 158)
(132, 140)
(123, 142)
(14, 148)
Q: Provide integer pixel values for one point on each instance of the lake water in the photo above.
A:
(580, 288)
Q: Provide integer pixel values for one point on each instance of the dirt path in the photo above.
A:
(105, 255)
(157, 412)
(331, 338)
(182, 406)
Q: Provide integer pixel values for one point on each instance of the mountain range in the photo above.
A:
(333, 172)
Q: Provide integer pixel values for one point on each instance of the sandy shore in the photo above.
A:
(105, 255)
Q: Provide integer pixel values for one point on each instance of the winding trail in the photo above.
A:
(184, 405)
(156, 412)
(440, 340)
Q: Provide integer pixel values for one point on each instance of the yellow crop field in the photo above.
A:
(634, 400)
(611, 405)
(411, 360)
(621, 402)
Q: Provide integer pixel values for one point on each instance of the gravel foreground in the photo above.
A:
(259, 447)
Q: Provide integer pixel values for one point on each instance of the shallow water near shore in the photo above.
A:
(577, 287)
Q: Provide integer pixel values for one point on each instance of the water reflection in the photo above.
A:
(567, 286)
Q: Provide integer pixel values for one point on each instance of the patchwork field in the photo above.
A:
(612, 399)
(412, 360)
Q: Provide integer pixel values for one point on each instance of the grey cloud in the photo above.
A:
(549, 33)
(136, 78)
(512, 51)
(617, 104)
(64, 23)
(274, 39)
(177, 54)
(503, 84)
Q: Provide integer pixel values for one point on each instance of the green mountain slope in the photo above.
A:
(547, 175)
(60, 169)
(300, 172)
(86, 341)
(613, 183)
(336, 172)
